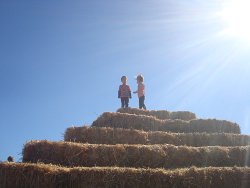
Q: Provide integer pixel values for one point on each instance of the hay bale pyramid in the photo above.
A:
(138, 149)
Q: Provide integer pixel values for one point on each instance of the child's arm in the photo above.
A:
(130, 96)
(119, 92)
(136, 91)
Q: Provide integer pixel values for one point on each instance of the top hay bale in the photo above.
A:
(149, 123)
(160, 114)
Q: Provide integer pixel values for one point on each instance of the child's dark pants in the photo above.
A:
(141, 102)
(124, 101)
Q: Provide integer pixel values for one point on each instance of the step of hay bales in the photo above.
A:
(160, 114)
(107, 135)
(152, 156)
(149, 123)
(23, 175)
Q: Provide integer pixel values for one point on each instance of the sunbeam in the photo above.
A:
(236, 15)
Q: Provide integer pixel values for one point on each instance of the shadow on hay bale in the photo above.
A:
(48, 176)
(149, 123)
(107, 135)
(160, 114)
(152, 156)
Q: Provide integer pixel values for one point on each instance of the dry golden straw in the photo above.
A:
(149, 123)
(152, 156)
(160, 114)
(107, 135)
(14, 175)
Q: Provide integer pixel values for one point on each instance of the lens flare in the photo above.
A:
(236, 15)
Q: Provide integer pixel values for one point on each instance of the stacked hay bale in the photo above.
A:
(137, 148)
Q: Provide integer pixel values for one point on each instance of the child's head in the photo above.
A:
(139, 78)
(10, 159)
(124, 79)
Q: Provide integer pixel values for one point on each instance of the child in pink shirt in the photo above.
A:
(124, 92)
(141, 91)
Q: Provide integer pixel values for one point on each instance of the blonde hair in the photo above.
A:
(140, 78)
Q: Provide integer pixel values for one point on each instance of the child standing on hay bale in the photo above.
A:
(124, 92)
(141, 91)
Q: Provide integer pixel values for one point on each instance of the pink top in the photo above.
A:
(141, 90)
(124, 91)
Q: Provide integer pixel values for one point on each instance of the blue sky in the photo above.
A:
(61, 63)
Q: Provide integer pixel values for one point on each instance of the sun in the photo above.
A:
(236, 15)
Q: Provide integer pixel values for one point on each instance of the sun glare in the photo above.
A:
(236, 14)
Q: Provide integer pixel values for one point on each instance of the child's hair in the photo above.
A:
(10, 159)
(140, 78)
(124, 77)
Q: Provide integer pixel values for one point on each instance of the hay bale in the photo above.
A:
(183, 115)
(160, 114)
(16, 175)
(107, 135)
(152, 156)
(221, 126)
(25, 175)
(149, 123)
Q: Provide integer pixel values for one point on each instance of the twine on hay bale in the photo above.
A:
(149, 123)
(152, 156)
(107, 135)
(14, 175)
(160, 114)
